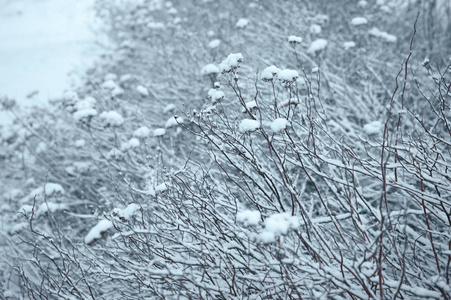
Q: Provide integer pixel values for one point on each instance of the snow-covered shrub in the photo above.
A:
(272, 182)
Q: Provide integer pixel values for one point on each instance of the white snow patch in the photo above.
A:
(349, 45)
(130, 144)
(80, 143)
(294, 39)
(382, 34)
(169, 107)
(242, 23)
(279, 124)
(88, 102)
(111, 118)
(317, 46)
(142, 90)
(269, 73)
(141, 132)
(288, 75)
(248, 217)
(315, 29)
(96, 232)
(359, 21)
(231, 62)
(173, 121)
(215, 95)
(84, 114)
(373, 127)
(159, 132)
(214, 44)
(276, 225)
(53, 189)
(210, 69)
(161, 188)
(248, 125)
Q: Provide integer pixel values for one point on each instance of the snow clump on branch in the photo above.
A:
(231, 63)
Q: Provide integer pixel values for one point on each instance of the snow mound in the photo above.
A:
(111, 118)
(215, 95)
(53, 189)
(173, 121)
(84, 114)
(315, 29)
(288, 75)
(231, 63)
(251, 104)
(373, 127)
(317, 46)
(161, 188)
(131, 144)
(276, 225)
(159, 132)
(279, 124)
(142, 90)
(210, 69)
(242, 23)
(97, 231)
(80, 143)
(248, 217)
(294, 40)
(141, 132)
(269, 73)
(214, 44)
(349, 45)
(169, 107)
(50, 207)
(359, 21)
(88, 102)
(383, 35)
(248, 125)
(126, 213)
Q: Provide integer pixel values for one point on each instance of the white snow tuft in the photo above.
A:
(169, 107)
(141, 132)
(80, 143)
(231, 63)
(214, 44)
(276, 225)
(173, 121)
(242, 23)
(382, 34)
(142, 90)
(288, 75)
(84, 114)
(359, 21)
(159, 132)
(317, 46)
(373, 127)
(269, 73)
(215, 95)
(349, 45)
(88, 102)
(53, 188)
(315, 29)
(279, 124)
(210, 69)
(111, 118)
(248, 125)
(96, 232)
(294, 40)
(161, 188)
(248, 217)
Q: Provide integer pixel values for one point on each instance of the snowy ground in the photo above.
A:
(45, 45)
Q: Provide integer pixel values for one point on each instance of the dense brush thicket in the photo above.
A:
(239, 150)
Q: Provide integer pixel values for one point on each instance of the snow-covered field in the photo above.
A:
(45, 45)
